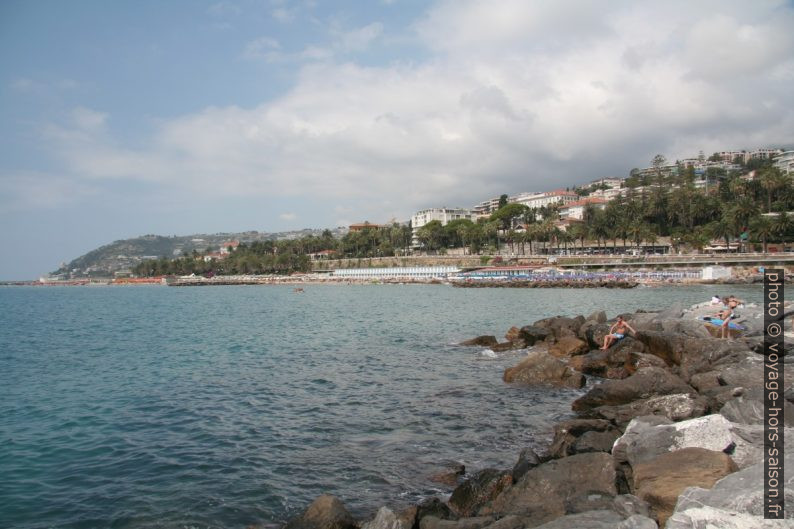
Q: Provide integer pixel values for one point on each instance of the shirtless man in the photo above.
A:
(728, 314)
(617, 332)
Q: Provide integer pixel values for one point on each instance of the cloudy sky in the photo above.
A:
(125, 118)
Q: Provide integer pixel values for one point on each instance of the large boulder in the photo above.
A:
(643, 384)
(326, 512)
(541, 493)
(532, 334)
(610, 363)
(677, 407)
(541, 368)
(479, 490)
(734, 502)
(450, 475)
(744, 409)
(568, 346)
(661, 480)
(432, 507)
(578, 436)
(648, 437)
(561, 326)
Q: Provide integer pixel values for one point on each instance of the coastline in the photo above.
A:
(667, 435)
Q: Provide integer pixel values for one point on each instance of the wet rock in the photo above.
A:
(540, 494)
(568, 346)
(386, 519)
(513, 334)
(646, 383)
(507, 346)
(541, 368)
(579, 436)
(432, 507)
(451, 475)
(526, 459)
(661, 480)
(674, 407)
(735, 501)
(531, 334)
(326, 512)
(482, 341)
(479, 490)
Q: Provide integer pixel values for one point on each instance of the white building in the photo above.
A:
(443, 215)
(785, 162)
(606, 194)
(538, 200)
(405, 272)
(486, 207)
(610, 182)
(575, 210)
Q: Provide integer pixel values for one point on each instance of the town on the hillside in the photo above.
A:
(731, 202)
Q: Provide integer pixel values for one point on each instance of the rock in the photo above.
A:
(598, 317)
(749, 443)
(480, 489)
(326, 512)
(674, 407)
(568, 346)
(526, 459)
(451, 475)
(386, 519)
(578, 436)
(432, 507)
(482, 341)
(736, 501)
(593, 333)
(705, 381)
(602, 519)
(507, 346)
(432, 522)
(541, 368)
(637, 521)
(610, 363)
(508, 522)
(661, 480)
(628, 505)
(645, 440)
(513, 334)
(558, 325)
(639, 360)
(649, 382)
(531, 334)
(540, 494)
(709, 517)
(589, 501)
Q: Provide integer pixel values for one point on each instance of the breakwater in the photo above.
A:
(553, 283)
(670, 434)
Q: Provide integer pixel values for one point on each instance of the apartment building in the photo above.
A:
(443, 215)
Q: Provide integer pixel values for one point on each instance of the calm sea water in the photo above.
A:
(227, 406)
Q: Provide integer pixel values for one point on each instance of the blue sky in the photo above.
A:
(125, 118)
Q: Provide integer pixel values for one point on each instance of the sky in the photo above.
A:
(120, 119)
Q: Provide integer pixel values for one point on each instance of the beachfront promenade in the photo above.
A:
(566, 261)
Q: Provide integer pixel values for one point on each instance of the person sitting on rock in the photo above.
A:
(617, 332)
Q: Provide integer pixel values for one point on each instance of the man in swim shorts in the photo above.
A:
(617, 332)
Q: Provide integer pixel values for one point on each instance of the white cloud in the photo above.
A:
(527, 96)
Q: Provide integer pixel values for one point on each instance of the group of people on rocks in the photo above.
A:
(728, 312)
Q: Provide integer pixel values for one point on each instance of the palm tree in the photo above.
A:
(781, 225)
(761, 227)
(720, 229)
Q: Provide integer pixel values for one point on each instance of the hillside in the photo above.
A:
(122, 255)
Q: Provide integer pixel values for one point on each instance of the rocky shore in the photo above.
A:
(669, 434)
(555, 283)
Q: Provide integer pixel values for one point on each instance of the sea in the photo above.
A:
(225, 407)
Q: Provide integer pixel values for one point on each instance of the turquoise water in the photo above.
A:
(227, 406)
